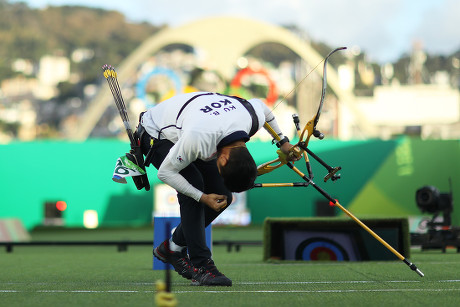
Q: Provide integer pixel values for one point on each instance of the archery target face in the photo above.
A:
(313, 246)
(320, 249)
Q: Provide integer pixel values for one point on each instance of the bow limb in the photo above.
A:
(270, 166)
(310, 127)
(283, 158)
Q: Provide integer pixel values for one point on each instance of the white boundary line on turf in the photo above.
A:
(319, 291)
(323, 282)
(231, 291)
(332, 263)
(338, 282)
(254, 283)
(254, 291)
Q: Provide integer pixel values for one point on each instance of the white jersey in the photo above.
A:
(198, 124)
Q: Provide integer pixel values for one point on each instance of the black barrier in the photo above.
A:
(122, 246)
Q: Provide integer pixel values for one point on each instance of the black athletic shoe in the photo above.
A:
(209, 275)
(179, 260)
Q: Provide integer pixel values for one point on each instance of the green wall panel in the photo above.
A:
(78, 173)
(378, 178)
(359, 161)
(413, 164)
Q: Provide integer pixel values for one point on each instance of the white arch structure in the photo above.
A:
(221, 40)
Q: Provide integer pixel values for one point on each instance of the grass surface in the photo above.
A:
(101, 276)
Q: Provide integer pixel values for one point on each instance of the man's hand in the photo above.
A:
(214, 201)
(292, 152)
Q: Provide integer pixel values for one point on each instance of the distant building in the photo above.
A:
(430, 109)
(52, 70)
(18, 86)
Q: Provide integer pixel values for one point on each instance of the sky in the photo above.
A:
(383, 29)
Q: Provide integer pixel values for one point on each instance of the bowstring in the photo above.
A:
(296, 86)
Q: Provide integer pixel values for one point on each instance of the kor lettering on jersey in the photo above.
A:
(216, 107)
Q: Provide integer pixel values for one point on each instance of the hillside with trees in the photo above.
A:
(28, 33)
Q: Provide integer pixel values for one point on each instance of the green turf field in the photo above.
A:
(101, 276)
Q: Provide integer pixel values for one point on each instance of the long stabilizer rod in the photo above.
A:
(364, 226)
(376, 236)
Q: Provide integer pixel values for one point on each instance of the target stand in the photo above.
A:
(333, 239)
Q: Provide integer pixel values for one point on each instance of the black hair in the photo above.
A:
(240, 171)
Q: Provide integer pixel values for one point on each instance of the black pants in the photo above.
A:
(195, 216)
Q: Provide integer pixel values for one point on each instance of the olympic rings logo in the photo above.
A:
(236, 85)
